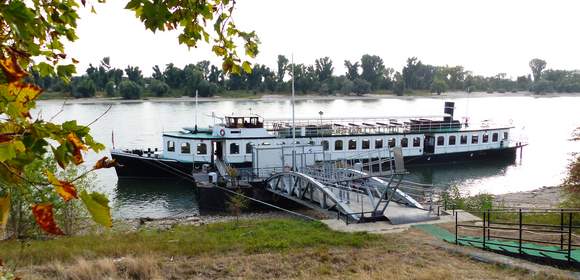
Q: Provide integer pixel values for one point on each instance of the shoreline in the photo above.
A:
(280, 97)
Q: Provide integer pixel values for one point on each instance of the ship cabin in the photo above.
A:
(232, 141)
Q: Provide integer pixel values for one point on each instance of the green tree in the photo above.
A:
(361, 86)
(159, 88)
(85, 87)
(537, 65)
(323, 68)
(438, 85)
(134, 74)
(110, 88)
(351, 70)
(399, 84)
(282, 68)
(373, 70)
(130, 90)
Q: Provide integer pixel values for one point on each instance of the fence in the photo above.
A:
(508, 230)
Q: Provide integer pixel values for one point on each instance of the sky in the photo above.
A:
(485, 36)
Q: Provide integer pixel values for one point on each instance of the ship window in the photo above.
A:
(249, 147)
(485, 138)
(170, 146)
(417, 142)
(505, 136)
(378, 143)
(463, 139)
(392, 142)
(352, 144)
(366, 144)
(311, 142)
(324, 144)
(494, 137)
(185, 149)
(338, 145)
(234, 148)
(440, 141)
(474, 139)
(266, 143)
(452, 140)
(404, 142)
(202, 149)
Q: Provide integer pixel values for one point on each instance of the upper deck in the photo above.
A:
(374, 125)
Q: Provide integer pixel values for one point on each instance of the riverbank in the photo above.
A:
(250, 249)
(544, 197)
(278, 97)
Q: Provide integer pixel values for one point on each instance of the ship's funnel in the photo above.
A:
(449, 108)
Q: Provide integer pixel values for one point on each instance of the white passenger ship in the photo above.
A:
(423, 140)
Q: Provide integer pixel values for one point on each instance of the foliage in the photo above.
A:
(159, 88)
(571, 185)
(237, 203)
(361, 86)
(454, 199)
(130, 90)
(537, 65)
(85, 87)
(438, 86)
(110, 89)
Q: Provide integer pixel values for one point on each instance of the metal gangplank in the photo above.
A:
(355, 194)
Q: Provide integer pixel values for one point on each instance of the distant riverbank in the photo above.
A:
(284, 96)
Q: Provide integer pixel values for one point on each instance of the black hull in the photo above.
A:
(135, 166)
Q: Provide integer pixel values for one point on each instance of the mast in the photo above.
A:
(195, 127)
(293, 120)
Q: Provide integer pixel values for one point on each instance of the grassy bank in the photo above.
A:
(253, 249)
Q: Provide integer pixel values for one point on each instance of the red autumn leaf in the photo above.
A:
(43, 214)
(105, 162)
(12, 69)
(65, 189)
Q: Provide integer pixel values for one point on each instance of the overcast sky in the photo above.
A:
(485, 36)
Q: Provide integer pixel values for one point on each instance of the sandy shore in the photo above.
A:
(545, 197)
(275, 97)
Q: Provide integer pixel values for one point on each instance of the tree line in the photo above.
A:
(369, 74)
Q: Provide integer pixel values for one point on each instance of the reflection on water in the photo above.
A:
(154, 198)
(547, 122)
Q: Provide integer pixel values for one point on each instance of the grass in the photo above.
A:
(251, 249)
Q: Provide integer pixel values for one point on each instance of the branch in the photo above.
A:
(99, 117)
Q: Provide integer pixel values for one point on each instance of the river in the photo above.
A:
(546, 122)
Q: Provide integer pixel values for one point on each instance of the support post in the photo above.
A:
(561, 229)
(456, 227)
(520, 231)
(484, 228)
(570, 237)
(488, 223)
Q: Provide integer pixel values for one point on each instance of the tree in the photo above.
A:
(159, 88)
(282, 68)
(361, 86)
(351, 70)
(323, 68)
(537, 65)
(399, 84)
(438, 85)
(38, 29)
(130, 90)
(157, 74)
(134, 74)
(571, 184)
(85, 87)
(110, 88)
(372, 70)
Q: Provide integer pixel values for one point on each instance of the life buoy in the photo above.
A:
(222, 132)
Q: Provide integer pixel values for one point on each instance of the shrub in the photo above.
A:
(110, 88)
(130, 90)
(361, 86)
(85, 87)
(159, 88)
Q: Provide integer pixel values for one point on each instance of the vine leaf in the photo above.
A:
(65, 189)
(44, 216)
(12, 69)
(105, 162)
(98, 206)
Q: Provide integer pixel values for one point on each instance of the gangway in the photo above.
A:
(353, 193)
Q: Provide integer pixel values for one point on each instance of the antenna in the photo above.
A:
(293, 119)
